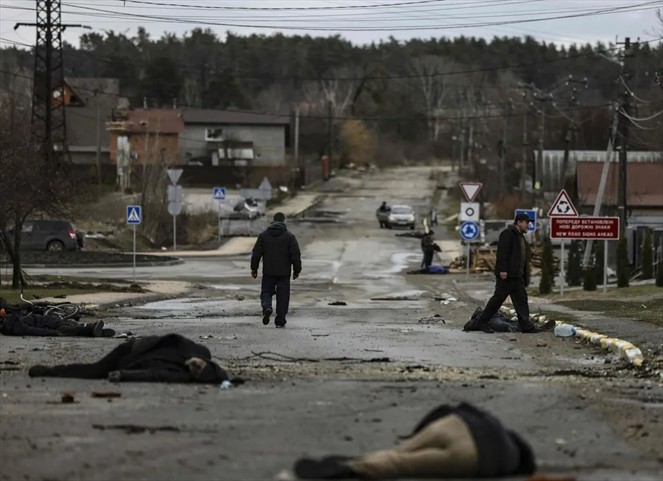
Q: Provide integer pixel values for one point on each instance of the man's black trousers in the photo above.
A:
(279, 285)
(511, 286)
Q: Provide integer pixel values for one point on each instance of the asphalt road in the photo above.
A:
(338, 380)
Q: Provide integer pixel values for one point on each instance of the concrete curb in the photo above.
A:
(626, 350)
(101, 266)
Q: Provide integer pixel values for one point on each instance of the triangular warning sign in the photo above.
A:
(470, 189)
(133, 215)
(563, 207)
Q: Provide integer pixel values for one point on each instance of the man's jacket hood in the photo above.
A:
(277, 228)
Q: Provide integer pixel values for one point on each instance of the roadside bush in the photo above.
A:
(623, 267)
(647, 257)
(547, 269)
(574, 272)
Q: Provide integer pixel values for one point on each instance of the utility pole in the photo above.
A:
(330, 127)
(48, 101)
(523, 164)
(624, 123)
(503, 147)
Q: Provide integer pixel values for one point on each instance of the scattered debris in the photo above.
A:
(135, 428)
(541, 343)
(106, 394)
(67, 398)
(432, 319)
(337, 303)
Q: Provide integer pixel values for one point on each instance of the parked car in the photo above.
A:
(51, 235)
(401, 215)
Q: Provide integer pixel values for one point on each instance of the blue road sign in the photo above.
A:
(219, 193)
(531, 213)
(134, 214)
(469, 230)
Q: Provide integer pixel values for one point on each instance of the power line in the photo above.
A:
(604, 11)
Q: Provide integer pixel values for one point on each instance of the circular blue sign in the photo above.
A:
(469, 230)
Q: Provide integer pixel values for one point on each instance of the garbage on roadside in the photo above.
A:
(337, 303)
(565, 330)
(432, 319)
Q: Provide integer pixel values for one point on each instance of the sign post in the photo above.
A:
(174, 199)
(562, 208)
(470, 190)
(469, 231)
(586, 228)
(219, 194)
(134, 217)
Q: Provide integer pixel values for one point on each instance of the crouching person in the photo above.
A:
(169, 358)
(450, 442)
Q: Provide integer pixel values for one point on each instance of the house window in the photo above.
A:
(214, 135)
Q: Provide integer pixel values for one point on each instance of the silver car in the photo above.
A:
(402, 216)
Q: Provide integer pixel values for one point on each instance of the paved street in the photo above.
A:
(339, 379)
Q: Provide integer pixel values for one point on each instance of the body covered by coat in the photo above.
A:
(169, 358)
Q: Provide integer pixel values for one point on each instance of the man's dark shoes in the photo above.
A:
(280, 322)
(265, 315)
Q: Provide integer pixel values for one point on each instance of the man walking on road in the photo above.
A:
(279, 251)
(512, 276)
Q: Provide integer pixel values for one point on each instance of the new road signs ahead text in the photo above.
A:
(584, 228)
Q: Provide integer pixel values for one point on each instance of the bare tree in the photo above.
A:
(335, 90)
(27, 183)
(434, 85)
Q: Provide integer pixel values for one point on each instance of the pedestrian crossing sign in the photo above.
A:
(134, 214)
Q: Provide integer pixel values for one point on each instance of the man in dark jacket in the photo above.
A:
(512, 276)
(279, 251)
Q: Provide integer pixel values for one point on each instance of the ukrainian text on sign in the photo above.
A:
(587, 228)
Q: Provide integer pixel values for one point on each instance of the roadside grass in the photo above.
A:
(642, 303)
(13, 296)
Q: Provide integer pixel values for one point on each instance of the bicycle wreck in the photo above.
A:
(49, 319)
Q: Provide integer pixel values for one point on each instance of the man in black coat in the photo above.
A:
(512, 276)
(279, 251)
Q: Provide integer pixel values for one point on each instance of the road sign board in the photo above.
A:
(470, 189)
(174, 175)
(174, 208)
(563, 207)
(219, 193)
(469, 211)
(585, 228)
(134, 214)
(469, 230)
(175, 193)
(531, 213)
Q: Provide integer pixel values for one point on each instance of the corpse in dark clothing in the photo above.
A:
(449, 442)
(39, 325)
(170, 358)
(500, 323)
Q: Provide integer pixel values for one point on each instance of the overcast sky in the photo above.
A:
(360, 21)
